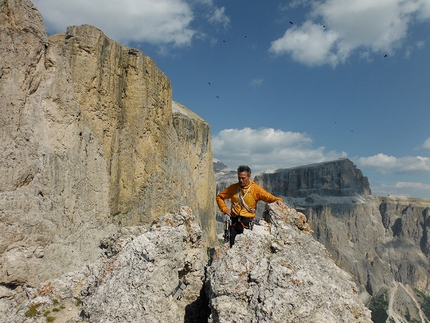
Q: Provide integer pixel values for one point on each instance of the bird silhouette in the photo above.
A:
(209, 83)
(217, 97)
(385, 55)
(291, 22)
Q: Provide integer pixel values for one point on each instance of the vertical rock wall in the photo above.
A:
(127, 101)
(88, 143)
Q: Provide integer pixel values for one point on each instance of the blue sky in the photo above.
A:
(287, 83)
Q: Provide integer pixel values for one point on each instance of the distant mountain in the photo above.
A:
(219, 166)
(383, 242)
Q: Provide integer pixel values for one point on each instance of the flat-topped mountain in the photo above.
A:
(333, 178)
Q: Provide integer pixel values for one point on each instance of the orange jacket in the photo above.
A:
(252, 193)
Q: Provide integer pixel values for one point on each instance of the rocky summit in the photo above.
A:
(278, 273)
(383, 242)
(275, 273)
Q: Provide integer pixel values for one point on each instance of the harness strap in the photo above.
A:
(250, 224)
(242, 199)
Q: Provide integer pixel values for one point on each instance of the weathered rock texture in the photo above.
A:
(89, 141)
(156, 159)
(139, 280)
(279, 273)
(135, 279)
(382, 241)
(335, 178)
(276, 273)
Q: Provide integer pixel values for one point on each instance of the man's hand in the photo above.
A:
(281, 204)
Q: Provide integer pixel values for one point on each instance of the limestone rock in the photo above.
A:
(334, 178)
(381, 241)
(275, 273)
(153, 278)
(157, 159)
(281, 274)
(89, 142)
(143, 274)
(54, 188)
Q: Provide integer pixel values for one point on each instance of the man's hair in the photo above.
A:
(244, 168)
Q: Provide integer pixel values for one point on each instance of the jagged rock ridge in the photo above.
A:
(279, 273)
(275, 273)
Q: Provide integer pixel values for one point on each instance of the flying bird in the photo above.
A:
(209, 83)
(291, 22)
(217, 97)
(385, 55)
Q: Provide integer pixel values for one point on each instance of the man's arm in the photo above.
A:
(265, 196)
(225, 194)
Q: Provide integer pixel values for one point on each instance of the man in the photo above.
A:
(244, 196)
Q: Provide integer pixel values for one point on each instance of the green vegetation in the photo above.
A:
(378, 304)
(424, 302)
(50, 319)
(46, 313)
(78, 303)
(32, 311)
(55, 309)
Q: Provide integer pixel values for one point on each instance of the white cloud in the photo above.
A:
(160, 22)
(379, 161)
(309, 44)
(388, 164)
(219, 17)
(256, 82)
(426, 144)
(266, 148)
(399, 189)
(350, 25)
(412, 185)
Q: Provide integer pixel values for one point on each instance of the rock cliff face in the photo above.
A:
(335, 178)
(89, 142)
(383, 242)
(275, 273)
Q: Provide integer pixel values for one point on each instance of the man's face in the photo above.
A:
(243, 178)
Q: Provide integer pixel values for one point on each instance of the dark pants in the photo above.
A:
(238, 224)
